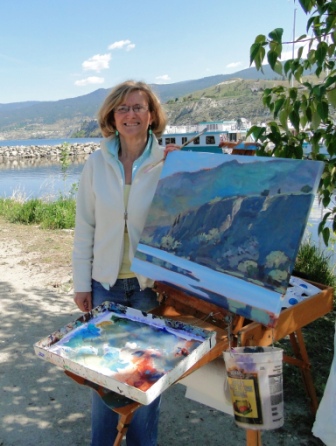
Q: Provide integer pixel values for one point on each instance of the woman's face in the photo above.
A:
(131, 122)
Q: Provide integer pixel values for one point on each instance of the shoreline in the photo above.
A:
(47, 151)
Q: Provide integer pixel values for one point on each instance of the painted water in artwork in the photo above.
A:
(135, 354)
(227, 228)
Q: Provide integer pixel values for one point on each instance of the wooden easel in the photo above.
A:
(175, 304)
(290, 323)
(123, 406)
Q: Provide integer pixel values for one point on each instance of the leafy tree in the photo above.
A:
(302, 113)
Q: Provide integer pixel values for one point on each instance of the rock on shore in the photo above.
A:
(46, 151)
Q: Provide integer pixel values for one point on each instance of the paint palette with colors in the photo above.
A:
(135, 354)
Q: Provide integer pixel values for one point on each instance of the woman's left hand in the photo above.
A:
(170, 148)
(167, 149)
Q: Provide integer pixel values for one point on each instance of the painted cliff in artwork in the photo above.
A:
(232, 221)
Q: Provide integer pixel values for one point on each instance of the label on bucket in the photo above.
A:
(256, 387)
(245, 397)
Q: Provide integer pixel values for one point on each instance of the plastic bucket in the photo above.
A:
(256, 386)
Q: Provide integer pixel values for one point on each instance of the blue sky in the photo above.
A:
(51, 50)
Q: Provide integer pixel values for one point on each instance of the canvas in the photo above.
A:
(134, 354)
(227, 229)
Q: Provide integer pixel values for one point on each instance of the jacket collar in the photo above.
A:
(110, 149)
(151, 155)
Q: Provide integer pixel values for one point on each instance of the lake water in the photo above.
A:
(39, 178)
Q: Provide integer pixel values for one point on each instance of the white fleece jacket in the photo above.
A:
(100, 216)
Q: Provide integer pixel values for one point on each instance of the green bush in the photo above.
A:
(314, 264)
(58, 214)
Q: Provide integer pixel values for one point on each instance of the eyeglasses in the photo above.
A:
(123, 109)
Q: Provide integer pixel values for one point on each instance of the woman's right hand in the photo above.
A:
(83, 301)
(170, 148)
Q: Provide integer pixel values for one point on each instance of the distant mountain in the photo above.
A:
(17, 105)
(63, 118)
(52, 111)
(178, 89)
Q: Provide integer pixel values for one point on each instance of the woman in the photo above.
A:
(115, 192)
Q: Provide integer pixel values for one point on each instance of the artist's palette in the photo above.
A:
(135, 354)
(297, 291)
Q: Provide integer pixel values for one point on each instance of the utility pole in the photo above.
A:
(292, 79)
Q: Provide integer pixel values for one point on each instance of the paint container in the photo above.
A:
(255, 381)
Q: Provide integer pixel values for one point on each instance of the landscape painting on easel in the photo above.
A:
(227, 229)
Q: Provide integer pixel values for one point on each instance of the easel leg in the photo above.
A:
(122, 427)
(253, 438)
(300, 352)
(126, 415)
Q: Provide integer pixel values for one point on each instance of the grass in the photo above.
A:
(58, 214)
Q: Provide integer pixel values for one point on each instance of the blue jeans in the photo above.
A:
(143, 428)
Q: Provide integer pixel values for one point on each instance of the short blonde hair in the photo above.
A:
(117, 97)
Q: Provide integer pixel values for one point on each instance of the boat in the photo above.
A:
(239, 148)
(207, 136)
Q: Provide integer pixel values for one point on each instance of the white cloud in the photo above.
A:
(130, 47)
(162, 79)
(89, 81)
(122, 44)
(97, 63)
(288, 54)
(233, 65)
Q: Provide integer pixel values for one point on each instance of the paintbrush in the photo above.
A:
(183, 145)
